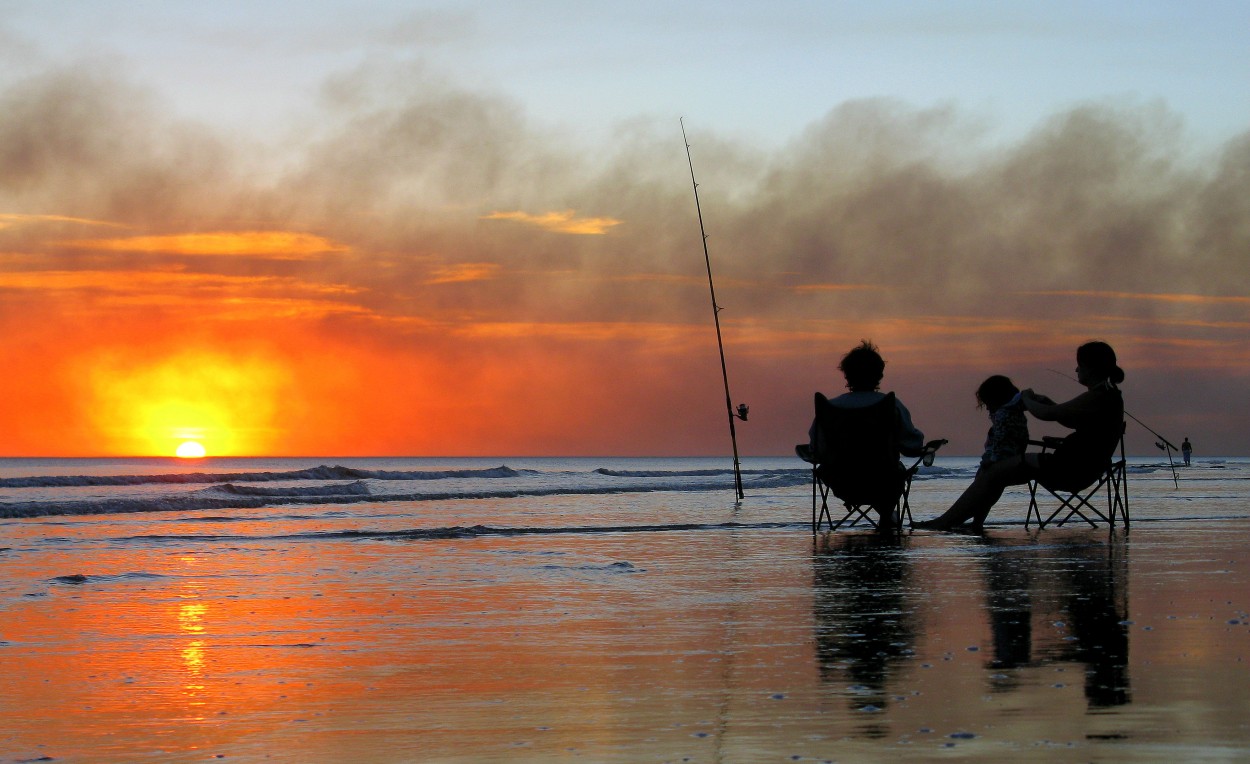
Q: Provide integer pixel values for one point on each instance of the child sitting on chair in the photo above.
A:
(1009, 431)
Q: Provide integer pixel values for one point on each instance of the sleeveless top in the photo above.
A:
(1084, 454)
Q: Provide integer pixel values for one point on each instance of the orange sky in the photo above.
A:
(428, 274)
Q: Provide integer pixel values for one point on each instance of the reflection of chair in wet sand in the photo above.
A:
(1095, 597)
(1008, 572)
(1077, 586)
(1077, 500)
(865, 626)
(857, 460)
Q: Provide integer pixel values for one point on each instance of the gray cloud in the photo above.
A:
(1102, 203)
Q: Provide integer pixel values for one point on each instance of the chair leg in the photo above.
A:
(903, 510)
(1033, 508)
(1073, 505)
(1124, 486)
(1117, 492)
(821, 513)
(813, 501)
(820, 505)
(854, 513)
(1078, 503)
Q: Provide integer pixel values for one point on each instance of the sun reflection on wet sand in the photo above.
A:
(731, 645)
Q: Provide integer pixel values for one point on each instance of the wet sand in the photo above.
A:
(717, 645)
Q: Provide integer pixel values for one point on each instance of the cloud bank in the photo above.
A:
(431, 271)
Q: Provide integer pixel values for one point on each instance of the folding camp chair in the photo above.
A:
(856, 459)
(1079, 502)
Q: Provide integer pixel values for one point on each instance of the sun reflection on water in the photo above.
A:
(191, 616)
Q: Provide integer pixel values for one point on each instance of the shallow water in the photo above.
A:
(662, 625)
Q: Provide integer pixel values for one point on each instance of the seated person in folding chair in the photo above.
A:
(1009, 430)
(1096, 417)
(863, 368)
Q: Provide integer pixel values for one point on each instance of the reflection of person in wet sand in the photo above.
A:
(1078, 586)
(1094, 595)
(864, 625)
(1008, 574)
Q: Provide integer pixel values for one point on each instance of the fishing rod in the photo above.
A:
(1161, 446)
(741, 412)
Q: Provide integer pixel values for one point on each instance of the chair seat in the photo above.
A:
(1080, 502)
(855, 459)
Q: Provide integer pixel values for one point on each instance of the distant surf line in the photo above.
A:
(229, 496)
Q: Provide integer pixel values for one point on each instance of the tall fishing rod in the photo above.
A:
(741, 412)
(1162, 447)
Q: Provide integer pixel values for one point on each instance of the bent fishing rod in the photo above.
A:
(741, 412)
(1168, 447)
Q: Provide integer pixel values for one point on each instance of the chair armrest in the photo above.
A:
(925, 454)
(930, 450)
(1048, 442)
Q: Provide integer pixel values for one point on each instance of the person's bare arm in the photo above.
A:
(1046, 409)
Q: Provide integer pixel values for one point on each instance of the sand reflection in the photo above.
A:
(1026, 608)
(1077, 589)
(1008, 565)
(865, 624)
(715, 645)
(1091, 588)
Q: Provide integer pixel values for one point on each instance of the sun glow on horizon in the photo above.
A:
(189, 403)
(190, 449)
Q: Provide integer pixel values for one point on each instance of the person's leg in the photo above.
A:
(887, 511)
(986, 489)
(885, 517)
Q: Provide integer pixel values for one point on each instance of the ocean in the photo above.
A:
(415, 493)
(334, 610)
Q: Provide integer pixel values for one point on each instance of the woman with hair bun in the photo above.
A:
(1096, 417)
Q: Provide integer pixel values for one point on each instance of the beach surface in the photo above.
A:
(323, 634)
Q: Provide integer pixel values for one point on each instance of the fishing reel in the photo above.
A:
(742, 411)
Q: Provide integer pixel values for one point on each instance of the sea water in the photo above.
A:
(419, 489)
(613, 610)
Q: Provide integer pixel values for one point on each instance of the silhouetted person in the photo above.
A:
(1009, 430)
(1096, 417)
(1187, 451)
(863, 369)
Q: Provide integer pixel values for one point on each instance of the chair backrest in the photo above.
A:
(857, 448)
(1093, 458)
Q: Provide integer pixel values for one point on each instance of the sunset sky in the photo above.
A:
(467, 228)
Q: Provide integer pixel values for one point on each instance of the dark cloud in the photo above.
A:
(1072, 231)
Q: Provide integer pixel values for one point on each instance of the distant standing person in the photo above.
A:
(1187, 451)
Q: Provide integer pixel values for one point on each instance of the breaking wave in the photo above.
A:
(323, 485)
(314, 473)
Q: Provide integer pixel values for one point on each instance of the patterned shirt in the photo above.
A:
(1008, 435)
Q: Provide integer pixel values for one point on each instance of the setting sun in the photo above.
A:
(190, 450)
(190, 401)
